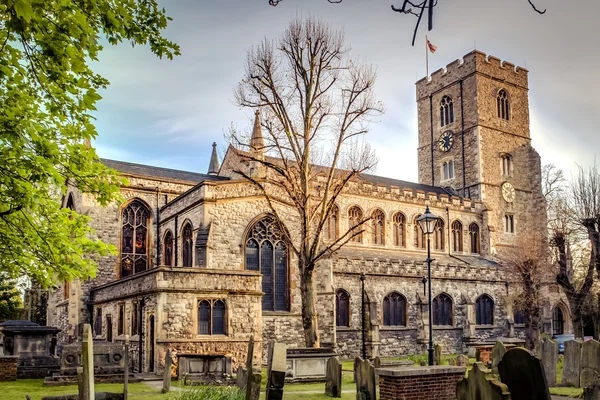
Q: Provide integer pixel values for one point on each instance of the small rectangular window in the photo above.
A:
(451, 170)
(135, 311)
(98, 322)
(509, 223)
(121, 319)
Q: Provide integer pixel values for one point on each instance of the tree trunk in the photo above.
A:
(310, 321)
(576, 305)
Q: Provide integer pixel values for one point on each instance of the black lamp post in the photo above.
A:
(428, 222)
(364, 347)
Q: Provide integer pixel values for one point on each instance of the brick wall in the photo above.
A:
(8, 368)
(420, 383)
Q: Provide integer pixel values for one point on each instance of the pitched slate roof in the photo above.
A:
(374, 179)
(159, 172)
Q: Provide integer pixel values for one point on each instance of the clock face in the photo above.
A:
(508, 192)
(446, 141)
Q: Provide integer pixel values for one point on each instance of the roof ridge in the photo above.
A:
(151, 166)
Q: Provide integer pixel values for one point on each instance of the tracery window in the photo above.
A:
(378, 227)
(418, 234)
(394, 310)
(399, 230)
(558, 321)
(355, 217)
(484, 310)
(212, 317)
(168, 249)
(446, 111)
(442, 310)
(507, 164)
(267, 252)
(457, 236)
(134, 242)
(330, 230)
(438, 235)
(474, 236)
(187, 241)
(503, 105)
(342, 308)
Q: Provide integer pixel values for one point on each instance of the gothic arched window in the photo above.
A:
(212, 317)
(168, 249)
(442, 310)
(503, 105)
(218, 318)
(187, 241)
(378, 227)
(474, 236)
(484, 310)
(330, 229)
(419, 235)
(457, 236)
(446, 111)
(394, 310)
(558, 321)
(438, 235)
(342, 308)
(204, 318)
(134, 238)
(355, 217)
(267, 252)
(399, 230)
(507, 164)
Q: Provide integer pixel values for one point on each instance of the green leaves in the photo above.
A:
(47, 94)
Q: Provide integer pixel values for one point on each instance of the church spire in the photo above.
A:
(257, 143)
(213, 166)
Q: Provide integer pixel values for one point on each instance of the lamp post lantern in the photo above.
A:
(428, 222)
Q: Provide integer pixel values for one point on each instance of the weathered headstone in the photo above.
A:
(479, 385)
(523, 373)
(549, 350)
(590, 363)
(167, 375)
(377, 362)
(276, 371)
(572, 363)
(497, 353)
(80, 385)
(87, 362)
(333, 377)
(462, 360)
(364, 374)
(437, 354)
(592, 392)
(253, 380)
(242, 378)
(126, 375)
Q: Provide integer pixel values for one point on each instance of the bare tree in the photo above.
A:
(309, 94)
(580, 218)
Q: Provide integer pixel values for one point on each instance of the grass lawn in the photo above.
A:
(576, 393)
(34, 387)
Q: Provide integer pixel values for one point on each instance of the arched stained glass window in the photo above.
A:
(187, 241)
(474, 236)
(378, 227)
(484, 310)
(267, 252)
(342, 308)
(394, 310)
(442, 310)
(457, 236)
(438, 235)
(418, 234)
(503, 105)
(218, 318)
(399, 230)
(134, 238)
(355, 216)
(446, 111)
(168, 249)
(204, 318)
(330, 230)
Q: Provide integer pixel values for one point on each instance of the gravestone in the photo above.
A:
(592, 392)
(377, 362)
(549, 349)
(479, 385)
(87, 362)
(253, 380)
(437, 354)
(167, 375)
(523, 373)
(126, 375)
(276, 368)
(590, 363)
(333, 377)
(572, 363)
(242, 378)
(462, 360)
(497, 353)
(364, 374)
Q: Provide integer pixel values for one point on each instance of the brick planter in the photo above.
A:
(420, 383)
(8, 368)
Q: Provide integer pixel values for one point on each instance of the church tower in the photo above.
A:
(474, 139)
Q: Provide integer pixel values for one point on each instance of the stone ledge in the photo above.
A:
(420, 371)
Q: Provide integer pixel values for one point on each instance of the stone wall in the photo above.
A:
(8, 368)
(424, 383)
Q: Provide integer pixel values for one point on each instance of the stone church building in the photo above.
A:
(201, 265)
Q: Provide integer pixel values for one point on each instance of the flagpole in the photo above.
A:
(426, 57)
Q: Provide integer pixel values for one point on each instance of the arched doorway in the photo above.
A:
(558, 321)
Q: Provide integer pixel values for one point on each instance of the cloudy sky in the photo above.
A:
(167, 113)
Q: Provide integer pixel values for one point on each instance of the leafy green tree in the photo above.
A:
(47, 94)
(10, 298)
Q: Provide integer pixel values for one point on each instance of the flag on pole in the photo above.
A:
(431, 47)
